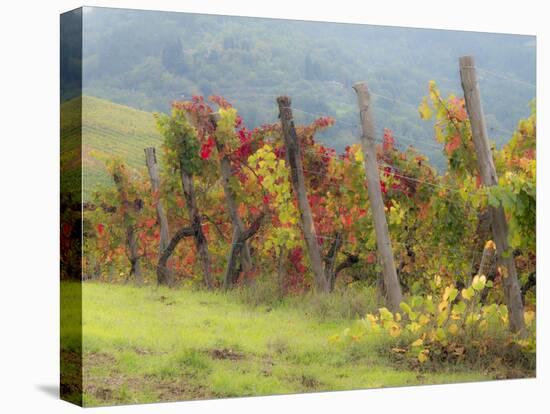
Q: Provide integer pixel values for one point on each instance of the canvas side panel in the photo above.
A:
(71, 206)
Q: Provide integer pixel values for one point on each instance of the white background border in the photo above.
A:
(29, 99)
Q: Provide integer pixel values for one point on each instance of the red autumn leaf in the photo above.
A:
(457, 109)
(371, 258)
(238, 121)
(346, 220)
(100, 229)
(453, 144)
(220, 101)
(207, 147)
(179, 202)
(242, 209)
(388, 141)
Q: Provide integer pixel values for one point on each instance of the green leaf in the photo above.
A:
(405, 308)
(493, 201)
(459, 308)
(478, 283)
(385, 314)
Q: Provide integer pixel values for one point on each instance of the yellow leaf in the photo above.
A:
(424, 109)
(483, 324)
(385, 314)
(490, 245)
(423, 319)
(422, 357)
(503, 271)
(459, 351)
(413, 326)
(450, 293)
(523, 343)
(467, 293)
(453, 329)
(529, 317)
(478, 282)
(439, 134)
(395, 330)
(418, 342)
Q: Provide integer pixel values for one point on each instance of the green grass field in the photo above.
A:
(147, 344)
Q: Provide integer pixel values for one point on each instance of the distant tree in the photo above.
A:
(308, 67)
(229, 42)
(172, 57)
(312, 69)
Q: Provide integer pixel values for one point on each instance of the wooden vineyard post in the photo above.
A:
(164, 276)
(294, 159)
(385, 252)
(487, 170)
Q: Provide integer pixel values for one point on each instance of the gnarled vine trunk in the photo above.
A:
(163, 273)
(196, 225)
(237, 246)
(243, 252)
(131, 239)
(164, 277)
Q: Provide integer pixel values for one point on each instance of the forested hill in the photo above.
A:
(146, 59)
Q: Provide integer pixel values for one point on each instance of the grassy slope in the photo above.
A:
(148, 344)
(108, 130)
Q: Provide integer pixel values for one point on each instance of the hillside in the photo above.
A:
(108, 130)
(145, 59)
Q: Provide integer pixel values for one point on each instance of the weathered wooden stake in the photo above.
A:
(294, 159)
(392, 287)
(164, 277)
(487, 170)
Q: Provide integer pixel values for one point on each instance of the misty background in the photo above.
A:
(146, 59)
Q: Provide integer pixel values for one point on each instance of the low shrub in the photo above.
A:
(448, 327)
